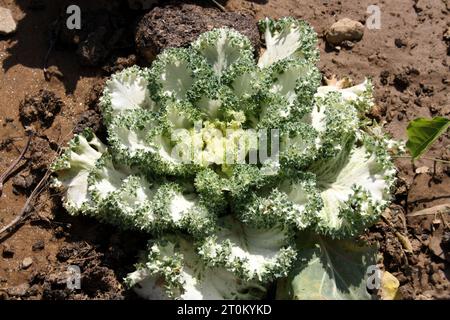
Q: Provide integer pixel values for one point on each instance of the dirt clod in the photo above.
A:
(178, 25)
(53, 72)
(401, 82)
(38, 245)
(18, 291)
(22, 183)
(89, 119)
(7, 251)
(40, 108)
(65, 253)
(117, 64)
(400, 43)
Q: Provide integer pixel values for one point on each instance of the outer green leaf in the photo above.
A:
(328, 270)
(423, 132)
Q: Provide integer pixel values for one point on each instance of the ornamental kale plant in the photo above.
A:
(244, 173)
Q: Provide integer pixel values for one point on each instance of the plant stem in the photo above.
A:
(426, 158)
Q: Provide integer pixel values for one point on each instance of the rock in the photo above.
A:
(18, 291)
(26, 263)
(344, 30)
(7, 23)
(8, 251)
(38, 246)
(178, 25)
(142, 4)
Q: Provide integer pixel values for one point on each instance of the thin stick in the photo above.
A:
(426, 158)
(10, 169)
(24, 212)
(53, 37)
(442, 208)
(97, 255)
(221, 7)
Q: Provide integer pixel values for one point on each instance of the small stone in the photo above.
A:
(18, 291)
(27, 262)
(7, 23)
(422, 170)
(372, 57)
(38, 246)
(8, 251)
(344, 30)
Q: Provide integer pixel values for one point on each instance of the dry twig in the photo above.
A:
(24, 213)
(10, 169)
(442, 208)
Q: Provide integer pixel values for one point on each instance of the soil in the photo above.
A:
(51, 79)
